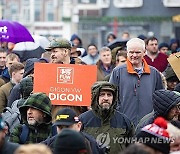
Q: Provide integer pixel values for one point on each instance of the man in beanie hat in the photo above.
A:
(171, 78)
(155, 136)
(104, 122)
(67, 118)
(70, 142)
(165, 104)
(164, 48)
(36, 115)
(6, 147)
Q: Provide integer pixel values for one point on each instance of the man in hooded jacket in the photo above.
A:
(36, 114)
(104, 122)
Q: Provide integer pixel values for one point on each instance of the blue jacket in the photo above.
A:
(135, 93)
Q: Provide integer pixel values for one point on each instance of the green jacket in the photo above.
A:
(39, 132)
(110, 129)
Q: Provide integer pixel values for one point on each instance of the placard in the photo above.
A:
(65, 84)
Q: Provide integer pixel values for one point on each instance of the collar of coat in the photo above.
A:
(131, 70)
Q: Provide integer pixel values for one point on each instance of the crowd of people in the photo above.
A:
(135, 102)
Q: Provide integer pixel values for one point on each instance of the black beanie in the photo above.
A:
(29, 66)
(69, 142)
(163, 101)
(161, 45)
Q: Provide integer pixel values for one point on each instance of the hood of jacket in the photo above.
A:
(95, 91)
(163, 101)
(39, 101)
(75, 36)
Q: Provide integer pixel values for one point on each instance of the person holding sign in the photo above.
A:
(61, 54)
(104, 122)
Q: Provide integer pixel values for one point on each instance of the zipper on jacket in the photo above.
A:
(36, 132)
(135, 89)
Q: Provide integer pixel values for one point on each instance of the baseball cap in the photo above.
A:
(66, 117)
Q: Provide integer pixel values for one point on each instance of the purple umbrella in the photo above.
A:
(11, 31)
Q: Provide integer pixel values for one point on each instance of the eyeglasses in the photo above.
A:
(136, 52)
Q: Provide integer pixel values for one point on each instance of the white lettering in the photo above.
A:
(3, 29)
(66, 97)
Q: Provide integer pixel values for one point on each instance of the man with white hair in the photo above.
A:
(136, 81)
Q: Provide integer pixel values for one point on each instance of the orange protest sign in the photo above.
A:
(65, 84)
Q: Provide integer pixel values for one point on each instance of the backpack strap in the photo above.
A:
(24, 134)
(53, 130)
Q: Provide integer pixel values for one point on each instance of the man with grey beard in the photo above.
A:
(104, 122)
(36, 115)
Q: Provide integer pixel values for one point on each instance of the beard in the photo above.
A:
(105, 106)
(153, 52)
(34, 122)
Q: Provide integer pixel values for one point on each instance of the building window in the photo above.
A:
(103, 3)
(38, 9)
(87, 1)
(129, 4)
(49, 11)
(171, 3)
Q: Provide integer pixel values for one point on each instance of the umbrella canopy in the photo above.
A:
(26, 50)
(11, 31)
(41, 41)
(117, 43)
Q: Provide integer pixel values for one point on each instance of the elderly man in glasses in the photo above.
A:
(136, 81)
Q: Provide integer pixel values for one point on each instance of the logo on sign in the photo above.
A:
(65, 75)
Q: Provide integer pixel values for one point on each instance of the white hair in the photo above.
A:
(135, 41)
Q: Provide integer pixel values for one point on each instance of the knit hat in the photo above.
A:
(69, 142)
(163, 101)
(66, 117)
(29, 66)
(169, 73)
(156, 136)
(161, 45)
(26, 86)
(142, 37)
